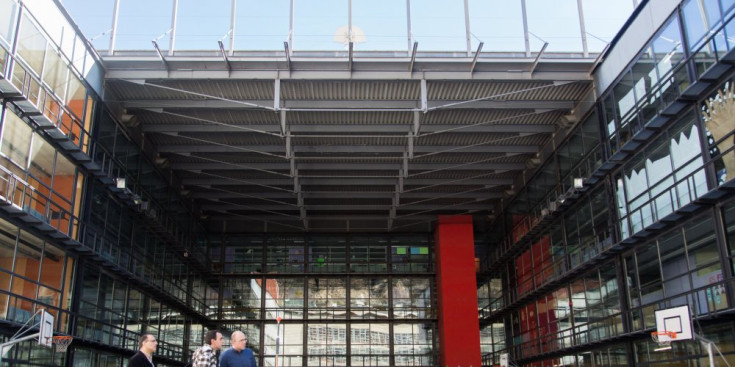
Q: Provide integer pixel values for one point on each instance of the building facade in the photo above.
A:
(582, 266)
(626, 209)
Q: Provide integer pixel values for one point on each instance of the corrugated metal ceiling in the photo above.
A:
(336, 151)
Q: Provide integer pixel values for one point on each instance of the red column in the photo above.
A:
(459, 327)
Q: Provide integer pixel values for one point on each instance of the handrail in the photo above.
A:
(599, 329)
(597, 250)
(662, 93)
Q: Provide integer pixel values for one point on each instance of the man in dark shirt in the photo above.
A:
(237, 355)
(144, 358)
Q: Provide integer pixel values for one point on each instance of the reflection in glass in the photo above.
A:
(327, 258)
(369, 298)
(327, 298)
(411, 298)
(668, 49)
(64, 178)
(285, 255)
(649, 273)
(410, 259)
(327, 344)
(369, 345)
(31, 45)
(290, 348)
(7, 19)
(718, 113)
(16, 139)
(412, 344)
(686, 155)
(368, 259)
(8, 233)
(284, 298)
(241, 298)
(42, 160)
(698, 24)
(52, 267)
(54, 72)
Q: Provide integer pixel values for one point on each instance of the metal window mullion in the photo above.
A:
(349, 21)
(174, 14)
(582, 29)
(348, 318)
(467, 27)
(290, 27)
(408, 27)
(233, 17)
(113, 32)
(725, 256)
(305, 323)
(524, 14)
(391, 321)
(27, 163)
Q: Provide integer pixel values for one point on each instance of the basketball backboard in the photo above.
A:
(46, 329)
(677, 320)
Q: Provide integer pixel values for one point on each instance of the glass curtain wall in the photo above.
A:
(665, 259)
(341, 299)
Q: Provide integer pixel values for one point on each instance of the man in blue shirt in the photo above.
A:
(237, 355)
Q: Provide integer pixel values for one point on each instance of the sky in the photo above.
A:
(437, 25)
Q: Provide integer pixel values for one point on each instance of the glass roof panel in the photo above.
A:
(497, 23)
(141, 21)
(201, 24)
(384, 24)
(261, 25)
(602, 21)
(378, 25)
(438, 25)
(317, 25)
(555, 22)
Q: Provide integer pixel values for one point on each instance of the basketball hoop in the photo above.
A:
(663, 339)
(62, 342)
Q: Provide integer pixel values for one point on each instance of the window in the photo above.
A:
(411, 298)
(369, 298)
(16, 141)
(7, 20)
(31, 45)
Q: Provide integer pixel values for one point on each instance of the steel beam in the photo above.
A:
(344, 105)
(304, 129)
(341, 181)
(478, 195)
(343, 207)
(305, 167)
(341, 217)
(344, 149)
(490, 70)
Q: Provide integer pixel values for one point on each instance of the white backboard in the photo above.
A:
(674, 319)
(46, 329)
